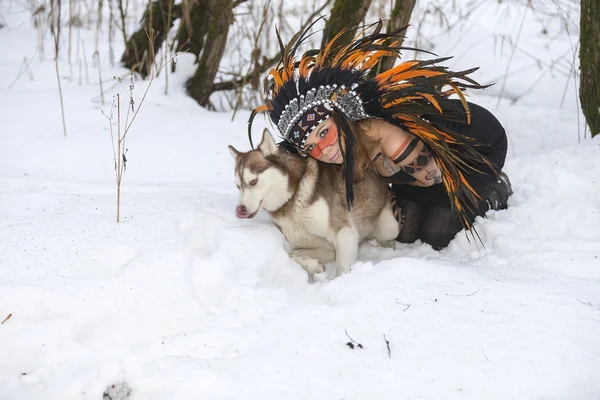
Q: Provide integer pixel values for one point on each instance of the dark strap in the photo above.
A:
(409, 149)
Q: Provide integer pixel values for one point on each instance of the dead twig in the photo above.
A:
(6, 319)
(405, 305)
(254, 58)
(97, 56)
(583, 302)
(55, 30)
(512, 54)
(24, 68)
(463, 295)
(387, 344)
(352, 342)
(483, 352)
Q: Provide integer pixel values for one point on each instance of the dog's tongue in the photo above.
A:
(240, 215)
(241, 212)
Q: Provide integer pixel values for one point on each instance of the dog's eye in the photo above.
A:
(253, 182)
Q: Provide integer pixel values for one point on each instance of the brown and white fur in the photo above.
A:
(307, 201)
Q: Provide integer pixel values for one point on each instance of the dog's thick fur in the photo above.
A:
(307, 201)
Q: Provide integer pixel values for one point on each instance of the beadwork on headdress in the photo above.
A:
(316, 106)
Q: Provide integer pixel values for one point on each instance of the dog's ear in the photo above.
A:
(234, 152)
(267, 145)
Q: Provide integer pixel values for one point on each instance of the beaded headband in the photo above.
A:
(293, 126)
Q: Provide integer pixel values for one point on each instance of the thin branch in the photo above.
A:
(387, 344)
(352, 342)
(236, 83)
(6, 319)
(267, 62)
(55, 28)
(483, 352)
(123, 15)
(112, 138)
(582, 302)
(511, 57)
(24, 67)
(152, 77)
(85, 63)
(237, 3)
(253, 59)
(97, 55)
(463, 295)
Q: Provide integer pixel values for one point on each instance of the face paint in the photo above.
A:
(330, 138)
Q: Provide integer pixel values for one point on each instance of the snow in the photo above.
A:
(181, 300)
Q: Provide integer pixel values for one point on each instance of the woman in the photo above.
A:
(442, 156)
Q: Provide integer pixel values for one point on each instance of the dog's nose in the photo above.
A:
(241, 211)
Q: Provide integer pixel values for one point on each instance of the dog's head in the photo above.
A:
(262, 181)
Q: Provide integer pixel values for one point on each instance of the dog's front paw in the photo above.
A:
(341, 270)
(310, 265)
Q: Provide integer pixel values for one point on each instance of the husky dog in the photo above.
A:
(307, 201)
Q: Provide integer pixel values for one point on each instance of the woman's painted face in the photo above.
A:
(323, 143)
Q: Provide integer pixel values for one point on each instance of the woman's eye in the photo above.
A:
(253, 182)
(323, 133)
(309, 148)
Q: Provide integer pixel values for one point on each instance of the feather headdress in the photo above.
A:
(301, 93)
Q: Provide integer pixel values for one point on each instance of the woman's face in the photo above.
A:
(323, 143)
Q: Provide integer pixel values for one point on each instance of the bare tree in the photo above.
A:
(589, 58)
(156, 22)
(193, 25)
(344, 14)
(200, 85)
(399, 18)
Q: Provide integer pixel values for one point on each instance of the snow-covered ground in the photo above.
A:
(181, 300)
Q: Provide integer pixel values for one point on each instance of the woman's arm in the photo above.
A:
(407, 152)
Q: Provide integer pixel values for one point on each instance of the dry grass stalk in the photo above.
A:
(118, 140)
(97, 57)
(55, 29)
(123, 15)
(98, 26)
(70, 39)
(87, 76)
(6, 319)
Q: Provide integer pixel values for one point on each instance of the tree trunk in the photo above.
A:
(140, 50)
(589, 59)
(200, 85)
(193, 25)
(346, 14)
(400, 18)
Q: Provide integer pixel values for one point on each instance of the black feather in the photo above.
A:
(250, 120)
